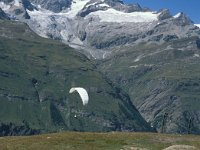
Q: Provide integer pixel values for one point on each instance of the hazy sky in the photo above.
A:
(189, 7)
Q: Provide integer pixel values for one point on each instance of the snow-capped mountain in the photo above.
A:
(98, 27)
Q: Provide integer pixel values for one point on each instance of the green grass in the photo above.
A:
(97, 141)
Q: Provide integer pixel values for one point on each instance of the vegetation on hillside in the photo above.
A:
(36, 75)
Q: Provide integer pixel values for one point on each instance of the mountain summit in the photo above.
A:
(99, 27)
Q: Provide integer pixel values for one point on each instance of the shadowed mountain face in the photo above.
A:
(36, 75)
(152, 56)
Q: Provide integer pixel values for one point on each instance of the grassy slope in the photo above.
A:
(98, 141)
(165, 80)
(35, 77)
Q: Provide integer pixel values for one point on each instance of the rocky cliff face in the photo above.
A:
(16, 130)
(161, 79)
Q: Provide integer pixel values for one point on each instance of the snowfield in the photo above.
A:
(76, 6)
(44, 20)
(112, 15)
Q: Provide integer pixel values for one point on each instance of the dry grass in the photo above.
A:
(99, 141)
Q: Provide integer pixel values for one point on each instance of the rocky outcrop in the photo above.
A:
(182, 20)
(3, 15)
(12, 129)
(53, 5)
(27, 5)
(164, 14)
(119, 5)
(92, 8)
(19, 11)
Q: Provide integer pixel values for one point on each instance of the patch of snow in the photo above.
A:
(198, 25)
(155, 12)
(112, 15)
(4, 7)
(105, 54)
(91, 4)
(76, 41)
(148, 65)
(138, 58)
(145, 65)
(103, 5)
(169, 47)
(196, 55)
(177, 15)
(41, 12)
(133, 66)
(76, 6)
(17, 3)
(39, 6)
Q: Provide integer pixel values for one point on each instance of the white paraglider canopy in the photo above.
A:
(82, 92)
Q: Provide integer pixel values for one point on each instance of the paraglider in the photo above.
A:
(82, 92)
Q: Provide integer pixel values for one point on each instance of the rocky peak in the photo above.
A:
(53, 5)
(182, 20)
(119, 5)
(164, 14)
